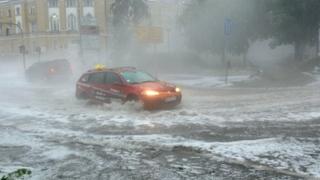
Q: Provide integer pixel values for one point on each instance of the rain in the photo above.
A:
(159, 89)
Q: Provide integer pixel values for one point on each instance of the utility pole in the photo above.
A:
(24, 47)
(79, 29)
(106, 25)
(168, 39)
(227, 33)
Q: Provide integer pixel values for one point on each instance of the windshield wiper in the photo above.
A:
(148, 81)
(134, 82)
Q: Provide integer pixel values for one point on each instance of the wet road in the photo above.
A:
(218, 133)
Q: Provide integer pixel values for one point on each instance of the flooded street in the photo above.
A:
(159, 89)
(217, 133)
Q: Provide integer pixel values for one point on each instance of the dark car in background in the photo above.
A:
(58, 70)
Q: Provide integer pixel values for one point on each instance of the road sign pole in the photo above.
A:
(227, 33)
(24, 60)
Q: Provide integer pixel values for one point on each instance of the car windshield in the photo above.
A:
(135, 77)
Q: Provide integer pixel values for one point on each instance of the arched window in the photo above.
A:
(71, 3)
(53, 3)
(87, 3)
(54, 23)
(72, 22)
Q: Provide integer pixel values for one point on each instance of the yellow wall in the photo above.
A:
(43, 37)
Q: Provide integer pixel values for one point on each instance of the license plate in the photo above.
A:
(170, 99)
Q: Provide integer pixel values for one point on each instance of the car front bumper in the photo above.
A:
(163, 100)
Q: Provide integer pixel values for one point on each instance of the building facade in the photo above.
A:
(51, 24)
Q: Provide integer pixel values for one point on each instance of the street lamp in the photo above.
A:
(23, 47)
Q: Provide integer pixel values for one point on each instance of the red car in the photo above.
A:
(127, 84)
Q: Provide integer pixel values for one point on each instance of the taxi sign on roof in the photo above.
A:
(100, 67)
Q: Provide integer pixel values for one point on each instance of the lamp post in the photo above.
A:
(79, 30)
(22, 47)
(106, 23)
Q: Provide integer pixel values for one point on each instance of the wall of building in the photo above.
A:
(34, 17)
(35, 20)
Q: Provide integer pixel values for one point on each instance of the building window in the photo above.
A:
(0, 28)
(53, 3)
(32, 10)
(71, 3)
(72, 22)
(18, 29)
(54, 23)
(9, 12)
(33, 27)
(89, 16)
(87, 3)
(17, 11)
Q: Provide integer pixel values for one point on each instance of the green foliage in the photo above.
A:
(127, 11)
(125, 14)
(294, 22)
(203, 22)
(16, 174)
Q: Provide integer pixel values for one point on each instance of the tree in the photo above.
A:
(295, 22)
(203, 22)
(126, 13)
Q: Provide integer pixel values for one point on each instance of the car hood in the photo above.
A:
(157, 86)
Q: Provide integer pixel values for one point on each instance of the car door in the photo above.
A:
(115, 85)
(83, 86)
(98, 88)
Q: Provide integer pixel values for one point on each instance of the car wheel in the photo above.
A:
(132, 98)
(81, 95)
(134, 101)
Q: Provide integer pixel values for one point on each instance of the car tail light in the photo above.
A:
(52, 70)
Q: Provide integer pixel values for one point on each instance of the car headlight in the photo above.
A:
(150, 93)
(178, 89)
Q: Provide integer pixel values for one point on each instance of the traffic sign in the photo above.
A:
(149, 34)
(227, 27)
